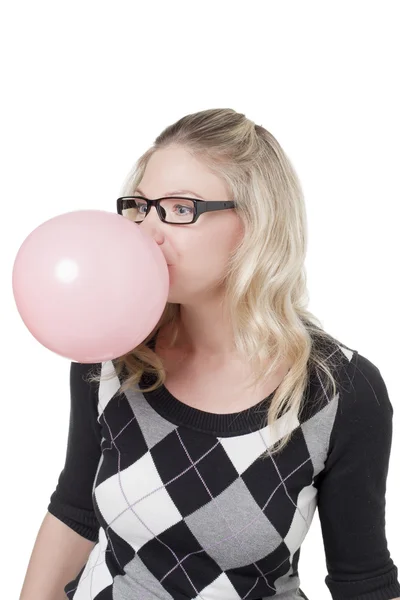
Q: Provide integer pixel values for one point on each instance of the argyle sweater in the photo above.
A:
(180, 504)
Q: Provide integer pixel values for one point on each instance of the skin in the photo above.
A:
(197, 253)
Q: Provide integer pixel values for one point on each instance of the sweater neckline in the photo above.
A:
(221, 424)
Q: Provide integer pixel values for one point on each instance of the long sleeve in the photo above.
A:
(352, 489)
(71, 501)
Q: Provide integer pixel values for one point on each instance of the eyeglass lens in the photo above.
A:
(174, 210)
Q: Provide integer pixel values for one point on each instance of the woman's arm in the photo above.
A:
(58, 555)
(352, 488)
(70, 529)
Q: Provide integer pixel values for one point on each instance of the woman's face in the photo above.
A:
(197, 253)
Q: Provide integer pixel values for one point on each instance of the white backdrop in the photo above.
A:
(87, 86)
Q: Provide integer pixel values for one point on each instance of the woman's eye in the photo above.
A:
(185, 207)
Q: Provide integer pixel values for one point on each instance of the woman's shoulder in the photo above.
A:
(365, 388)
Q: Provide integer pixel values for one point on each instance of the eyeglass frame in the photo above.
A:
(200, 206)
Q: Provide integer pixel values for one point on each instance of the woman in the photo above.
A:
(195, 462)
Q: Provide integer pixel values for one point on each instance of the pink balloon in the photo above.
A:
(90, 285)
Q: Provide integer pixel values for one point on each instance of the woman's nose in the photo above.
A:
(152, 225)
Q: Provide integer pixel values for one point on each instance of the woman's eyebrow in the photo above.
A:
(174, 193)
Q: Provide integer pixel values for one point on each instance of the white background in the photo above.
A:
(87, 86)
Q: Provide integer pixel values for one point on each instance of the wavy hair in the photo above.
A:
(265, 280)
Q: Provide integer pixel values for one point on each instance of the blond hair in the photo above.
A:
(265, 280)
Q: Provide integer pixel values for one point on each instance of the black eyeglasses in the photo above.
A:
(176, 210)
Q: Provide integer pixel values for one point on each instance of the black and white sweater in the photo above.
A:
(181, 505)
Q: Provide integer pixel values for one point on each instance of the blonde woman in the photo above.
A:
(195, 462)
